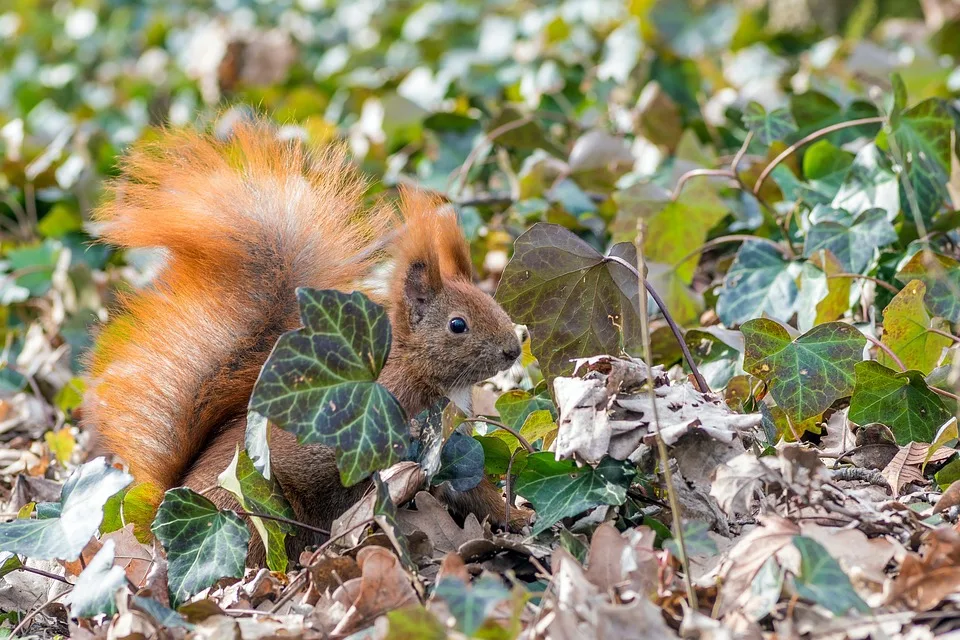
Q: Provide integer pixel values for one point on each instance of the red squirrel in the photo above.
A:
(243, 223)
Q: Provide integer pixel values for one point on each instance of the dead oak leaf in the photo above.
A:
(433, 519)
(623, 561)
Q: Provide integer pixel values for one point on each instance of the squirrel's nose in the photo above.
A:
(511, 352)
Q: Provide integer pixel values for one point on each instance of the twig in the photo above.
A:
(292, 589)
(883, 283)
(786, 153)
(516, 434)
(26, 621)
(323, 547)
(508, 489)
(644, 288)
(945, 393)
(734, 237)
(500, 199)
(701, 383)
(886, 350)
(45, 574)
(735, 163)
(506, 127)
(295, 523)
(697, 173)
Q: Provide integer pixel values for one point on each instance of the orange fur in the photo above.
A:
(244, 223)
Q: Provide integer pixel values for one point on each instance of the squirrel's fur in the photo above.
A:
(243, 223)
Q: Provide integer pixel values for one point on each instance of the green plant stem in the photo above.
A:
(516, 434)
(701, 383)
(295, 523)
(819, 133)
(662, 453)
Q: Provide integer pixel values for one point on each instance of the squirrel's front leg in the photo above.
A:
(485, 501)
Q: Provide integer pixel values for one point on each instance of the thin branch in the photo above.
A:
(292, 589)
(945, 393)
(45, 574)
(694, 173)
(735, 163)
(734, 237)
(886, 350)
(506, 127)
(516, 434)
(644, 288)
(701, 383)
(886, 285)
(322, 547)
(786, 153)
(295, 523)
(502, 199)
(26, 621)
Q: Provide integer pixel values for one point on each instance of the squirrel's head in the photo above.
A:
(447, 332)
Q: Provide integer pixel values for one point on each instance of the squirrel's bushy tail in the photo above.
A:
(244, 222)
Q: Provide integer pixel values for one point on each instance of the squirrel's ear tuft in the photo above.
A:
(421, 284)
(432, 234)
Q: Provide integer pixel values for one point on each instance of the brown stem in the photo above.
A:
(786, 153)
(332, 539)
(741, 152)
(26, 621)
(295, 523)
(701, 383)
(516, 434)
(734, 237)
(886, 285)
(944, 334)
(45, 574)
(696, 173)
(887, 350)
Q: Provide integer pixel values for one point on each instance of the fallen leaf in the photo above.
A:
(383, 586)
(746, 558)
(905, 466)
(403, 480)
(433, 519)
(927, 578)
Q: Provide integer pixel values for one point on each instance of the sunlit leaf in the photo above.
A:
(767, 127)
(760, 281)
(96, 586)
(854, 245)
(907, 330)
(941, 275)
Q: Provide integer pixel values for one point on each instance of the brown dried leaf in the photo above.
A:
(905, 466)
(745, 559)
(330, 572)
(923, 582)
(433, 519)
(950, 498)
(384, 586)
(403, 480)
(623, 560)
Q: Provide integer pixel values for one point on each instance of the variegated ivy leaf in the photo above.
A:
(805, 375)
(902, 401)
(760, 281)
(907, 330)
(320, 383)
(941, 275)
(767, 127)
(854, 244)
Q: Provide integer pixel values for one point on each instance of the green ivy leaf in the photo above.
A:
(907, 330)
(203, 544)
(941, 275)
(414, 623)
(256, 441)
(759, 282)
(259, 495)
(73, 520)
(574, 302)
(385, 515)
(922, 136)
(320, 383)
(9, 562)
(805, 375)
(902, 401)
(560, 488)
(767, 127)
(695, 539)
(718, 352)
(496, 454)
(516, 406)
(854, 245)
(821, 579)
(869, 184)
(96, 587)
(471, 604)
(461, 463)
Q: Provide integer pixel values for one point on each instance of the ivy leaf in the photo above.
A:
(471, 604)
(516, 406)
(496, 454)
(902, 401)
(718, 352)
(560, 488)
(9, 562)
(574, 302)
(821, 579)
(767, 127)
(320, 383)
(461, 463)
(385, 515)
(96, 587)
(869, 184)
(805, 375)
(855, 245)
(759, 282)
(824, 167)
(73, 520)
(907, 330)
(256, 441)
(822, 298)
(164, 616)
(203, 544)
(922, 136)
(259, 495)
(941, 275)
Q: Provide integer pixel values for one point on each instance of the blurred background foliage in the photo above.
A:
(518, 112)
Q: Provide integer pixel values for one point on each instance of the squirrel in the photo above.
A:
(243, 223)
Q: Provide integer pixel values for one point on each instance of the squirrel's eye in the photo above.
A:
(458, 325)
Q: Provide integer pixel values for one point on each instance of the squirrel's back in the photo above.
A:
(243, 223)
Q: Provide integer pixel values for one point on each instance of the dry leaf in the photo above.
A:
(433, 519)
(627, 560)
(923, 582)
(403, 480)
(735, 483)
(905, 466)
(383, 586)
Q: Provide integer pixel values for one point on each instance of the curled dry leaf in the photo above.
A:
(403, 480)
(906, 465)
(382, 586)
(950, 498)
(608, 410)
(925, 579)
(624, 561)
(736, 482)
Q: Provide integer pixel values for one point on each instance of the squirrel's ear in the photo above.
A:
(420, 287)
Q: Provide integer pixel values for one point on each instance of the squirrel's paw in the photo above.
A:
(520, 518)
